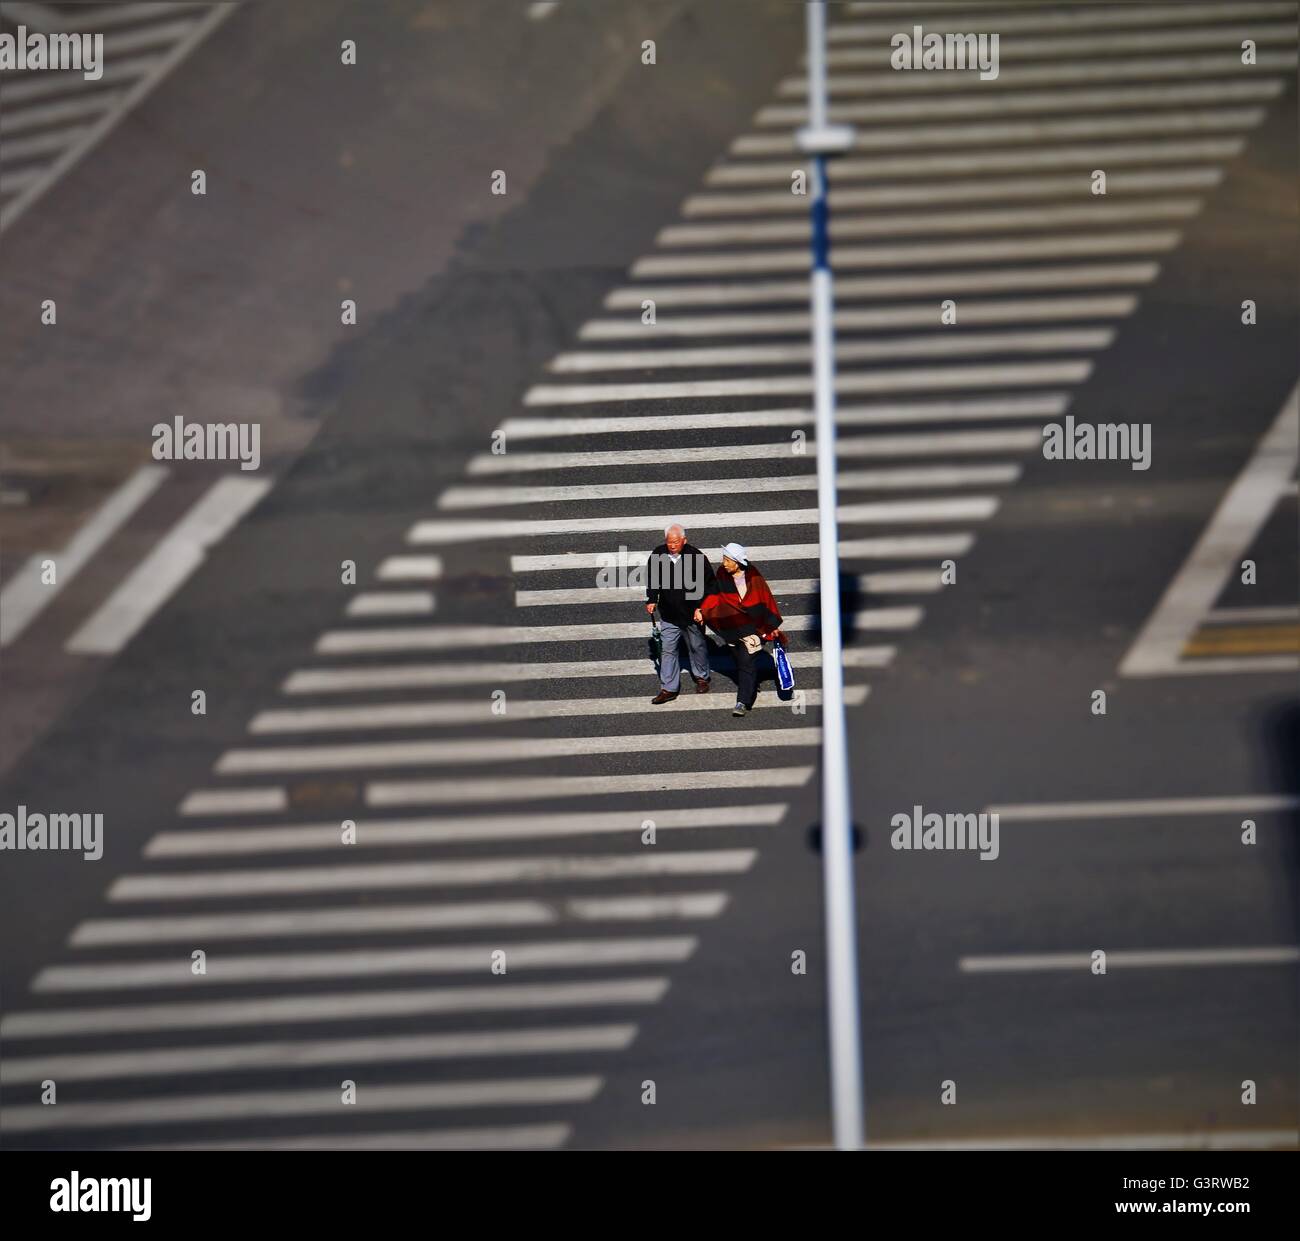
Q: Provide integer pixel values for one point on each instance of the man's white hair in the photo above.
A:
(677, 525)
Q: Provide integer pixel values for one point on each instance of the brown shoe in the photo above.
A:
(703, 685)
(662, 697)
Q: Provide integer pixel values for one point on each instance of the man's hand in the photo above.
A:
(650, 607)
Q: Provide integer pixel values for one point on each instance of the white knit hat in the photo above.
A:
(737, 553)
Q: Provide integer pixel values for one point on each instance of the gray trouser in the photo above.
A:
(670, 667)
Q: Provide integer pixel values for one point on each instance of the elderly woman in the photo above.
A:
(743, 613)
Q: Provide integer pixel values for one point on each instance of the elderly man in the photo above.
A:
(678, 578)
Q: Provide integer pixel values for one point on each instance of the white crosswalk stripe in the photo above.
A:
(917, 314)
(367, 963)
(142, 44)
(1021, 159)
(393, 1049)
(330, 1007)
(465, 712)
(317, 1101)
(976, 192)
(897, 479)
(1043, 406)
(484, 750)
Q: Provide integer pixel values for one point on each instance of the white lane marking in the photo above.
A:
(24, 596)
(365, 963)
(912, 254)
(1027, 962)
(985, 161)
(914, 137)
(898, 478)
(384, 920)
(933, 444)
(892, 547)
(1157, 650)
(926, 379)
(391, 603)
(315, 1101)
(540, 10)
(900, 582)
(470, 712)
(329, 1007)
(912, 314)
(486, 750)
(1043, 405)
(188, 36)
(1036, 102)
(647, 908)
(260, 924)
(441, 675)
(1109, 69)
(852, 225)
(1145, 808)
(948, 191)
(410, 569)
(1252, 616)
(235, 801)
(1083, 45)
(889, 349)
(1194, 1140)
(462, 637)
(396, 833)
(541, 788)
(301, 1053)
(869, 288)
(165, 569)
(1015, 21)
(483, 1138)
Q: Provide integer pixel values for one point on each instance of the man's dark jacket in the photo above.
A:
(666, 583)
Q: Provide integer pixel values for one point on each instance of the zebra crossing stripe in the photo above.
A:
(982, 162)
(483, 750)
(873, 288)
(395, 833)
(899, 478)
(541, 788)
(1036, 102)
(468, 712)
(929, 510)
(891, 349)
(912, 314)
(1059, 73)
(297, 1053)
(312, 1101)
(365, 963)
(891, 547)
(1045, 405)
(329, 1007)
(848, 225)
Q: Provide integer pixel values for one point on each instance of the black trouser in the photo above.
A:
(746, 675)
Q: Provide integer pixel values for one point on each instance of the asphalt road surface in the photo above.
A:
(408, 836)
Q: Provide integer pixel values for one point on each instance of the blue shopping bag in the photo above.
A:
(784, 673)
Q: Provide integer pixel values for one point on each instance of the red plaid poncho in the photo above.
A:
(732, 617)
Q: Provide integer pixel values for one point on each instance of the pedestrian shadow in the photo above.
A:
(852, 599)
